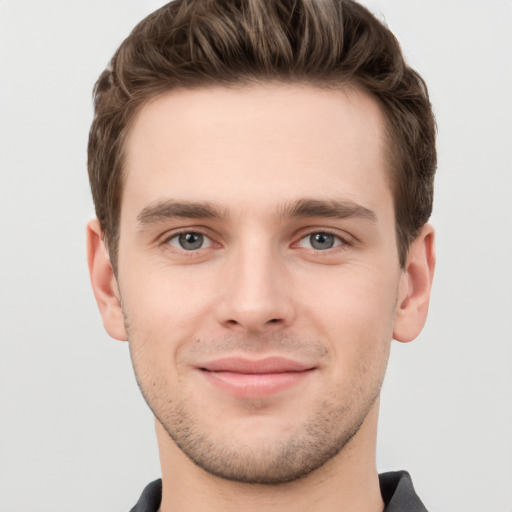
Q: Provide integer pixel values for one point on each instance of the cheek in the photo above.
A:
(355, 314)
(164, 311)
(167, 296)
(358, 295)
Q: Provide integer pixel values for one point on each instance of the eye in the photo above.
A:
(320, 241)
(190, 241)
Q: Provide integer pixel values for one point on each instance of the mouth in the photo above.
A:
(249, 378)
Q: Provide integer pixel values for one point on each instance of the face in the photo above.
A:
(258, 273)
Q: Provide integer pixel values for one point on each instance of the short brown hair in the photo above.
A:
(328, 43)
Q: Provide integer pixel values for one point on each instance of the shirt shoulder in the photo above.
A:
(150, 498)
(398, 493)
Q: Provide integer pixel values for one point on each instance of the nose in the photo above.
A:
(255, 291)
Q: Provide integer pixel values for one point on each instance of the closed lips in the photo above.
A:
(268, 365)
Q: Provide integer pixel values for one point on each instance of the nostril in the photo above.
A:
(274, 320)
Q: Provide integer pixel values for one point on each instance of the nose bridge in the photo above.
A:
(254, 294)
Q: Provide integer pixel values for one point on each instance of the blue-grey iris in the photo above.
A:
(191, 241)
(321, 241)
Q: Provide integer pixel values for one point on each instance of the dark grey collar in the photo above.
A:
(398, 493)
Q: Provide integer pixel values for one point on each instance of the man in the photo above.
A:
(262, 174)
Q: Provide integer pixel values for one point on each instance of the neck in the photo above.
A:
(347, 482)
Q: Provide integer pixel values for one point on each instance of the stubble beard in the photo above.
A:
(325, 433)
(268, 462)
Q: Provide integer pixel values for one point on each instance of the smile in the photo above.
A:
(253, 379)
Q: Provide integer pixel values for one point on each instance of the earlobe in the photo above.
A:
(415, 286)
(104, 283)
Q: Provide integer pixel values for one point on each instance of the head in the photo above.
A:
(262, 174)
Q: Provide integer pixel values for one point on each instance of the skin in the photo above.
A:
(257, 172)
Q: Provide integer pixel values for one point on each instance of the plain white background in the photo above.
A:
(74, 433)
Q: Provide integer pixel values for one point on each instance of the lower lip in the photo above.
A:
(255, 385)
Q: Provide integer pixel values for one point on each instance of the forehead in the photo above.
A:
(260, 144)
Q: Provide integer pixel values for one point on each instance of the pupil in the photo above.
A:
(322, 241)
(190, 241)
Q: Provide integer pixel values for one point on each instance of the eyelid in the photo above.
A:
(164, 239)
(306, 239)
(344, 238)
(206, 239)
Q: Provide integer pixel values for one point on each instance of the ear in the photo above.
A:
(104, 283)
(415, 285)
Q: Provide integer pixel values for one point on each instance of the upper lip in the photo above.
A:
(255, 366)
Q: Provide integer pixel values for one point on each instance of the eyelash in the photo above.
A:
(340, 242)
(343, 241)
(166, 242)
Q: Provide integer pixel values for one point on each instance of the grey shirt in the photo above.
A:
(396, 488)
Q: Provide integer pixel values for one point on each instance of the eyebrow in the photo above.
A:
(168, 209)
(334, 209)
(302, 208)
